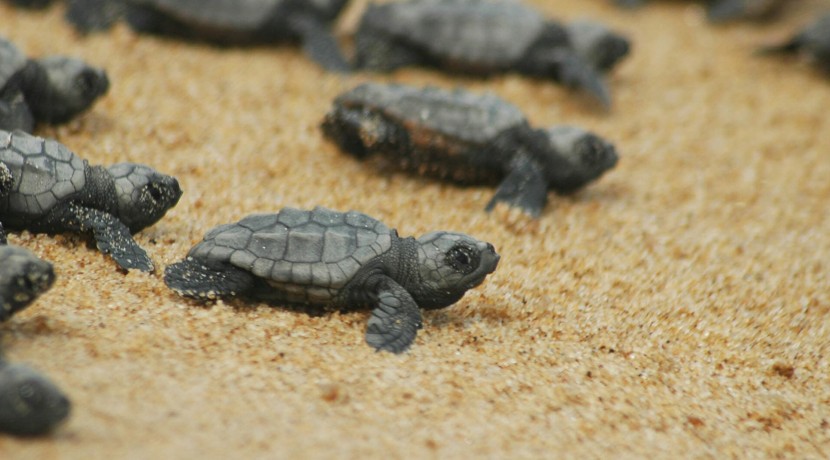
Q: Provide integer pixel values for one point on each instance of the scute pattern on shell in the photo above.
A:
(469, 117)
(497, 33)
(319, 249)
(44, 173)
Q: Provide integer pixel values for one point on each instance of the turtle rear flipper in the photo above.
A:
(395, 321)
(94, 15)
(111, 236)
(320, 45)
(194, 279)
(524, 187)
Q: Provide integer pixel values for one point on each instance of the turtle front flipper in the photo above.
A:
(524, 187)
(191, 278)
(573, 72)
(395, 321)
(111, 236)
(320, 45)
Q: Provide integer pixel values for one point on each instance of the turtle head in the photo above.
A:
(28, 275)
(587, 156)
(597, 45)
(30, 404)
(144, 195)
(67, 87)
(448, 265)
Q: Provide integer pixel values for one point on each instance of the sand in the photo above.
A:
(678, 307)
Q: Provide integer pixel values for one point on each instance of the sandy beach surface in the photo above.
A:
(677, 307)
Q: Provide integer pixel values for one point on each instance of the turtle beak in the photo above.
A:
(489, 258)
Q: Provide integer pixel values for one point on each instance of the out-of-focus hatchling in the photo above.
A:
(468, 139)
(53, 190)
(226, 22)
(486, 37)
(337, 261)
(813, 42)
(33, 4)
(726, 10)
(51, 89)
(30, 404)
(23, 277)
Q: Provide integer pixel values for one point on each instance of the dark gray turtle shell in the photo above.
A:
(239, 15)
(44, 174)
(433, 115)
(476, 32)
(311, 253)
(12, 60)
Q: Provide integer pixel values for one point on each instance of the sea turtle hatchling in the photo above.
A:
(55, 191)
(485, 37)
(30, 404)
(467, 138)
(725, 10)
(23, 277)
(813, 42)
(338, 261)
(52, 89)
(224, 22)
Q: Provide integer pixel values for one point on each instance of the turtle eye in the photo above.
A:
(155, 191)
(30, 392)
(85, 82)
(462, 258)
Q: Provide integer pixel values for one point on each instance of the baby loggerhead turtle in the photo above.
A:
(813, 41)
(55, 191)
(469, 139)
(726, 10)
(30, 404)
(484, 37)
(338, 261)
(226, 22)
(23, 277)
(51, 89)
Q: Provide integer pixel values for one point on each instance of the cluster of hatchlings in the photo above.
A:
(319, 257)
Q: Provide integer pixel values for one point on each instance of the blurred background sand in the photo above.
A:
(677, 307)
